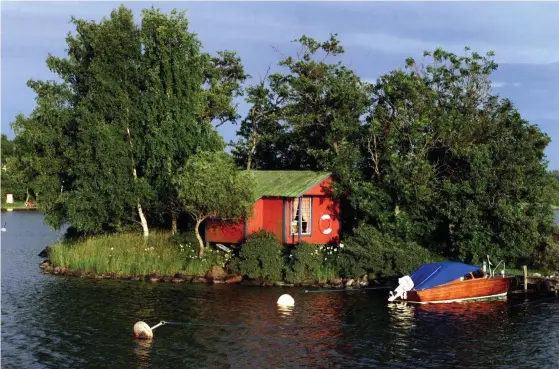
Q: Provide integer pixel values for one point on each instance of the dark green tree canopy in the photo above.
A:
(131, 108)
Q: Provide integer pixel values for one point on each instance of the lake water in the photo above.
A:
(58, 322)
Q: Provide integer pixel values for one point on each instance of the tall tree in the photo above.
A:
(128, 112)
(174, 101)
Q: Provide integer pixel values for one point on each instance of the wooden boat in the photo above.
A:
(447, 282)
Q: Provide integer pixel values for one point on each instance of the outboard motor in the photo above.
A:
(405, 285)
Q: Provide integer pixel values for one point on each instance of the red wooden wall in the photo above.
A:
(268, 213)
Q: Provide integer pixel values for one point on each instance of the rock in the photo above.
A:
(267, 284)
(45, 252)
(251, 282)
(233, 279)
(151, 278)
(218, 281)
(325, 285)
(279, 284)
(44, 264)
(536, 275)
(289, 285)
(349, 283)
(188, 278)
(179, 275)
(199, 280)
(216, 272)
(364, 282)
(56, 270)
(177, 280)
(308, 283)
(336, 281)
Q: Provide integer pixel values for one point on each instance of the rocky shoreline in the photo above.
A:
(215, 276)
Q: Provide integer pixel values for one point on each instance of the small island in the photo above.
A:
(333, 180)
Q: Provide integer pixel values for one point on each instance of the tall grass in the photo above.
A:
(131, 254)
(325, 273)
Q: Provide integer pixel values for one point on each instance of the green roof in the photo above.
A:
(285, 183)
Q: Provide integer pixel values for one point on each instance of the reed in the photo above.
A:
(131, 254)
(324, 273)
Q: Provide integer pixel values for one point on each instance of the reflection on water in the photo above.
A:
(57, 322)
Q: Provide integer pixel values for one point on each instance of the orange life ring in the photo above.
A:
(328, 229)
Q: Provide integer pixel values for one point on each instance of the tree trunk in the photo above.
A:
(173, 223)
(143, 220)
(200, 241)
(27, 196)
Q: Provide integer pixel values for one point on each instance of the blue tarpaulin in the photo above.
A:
(434, 274)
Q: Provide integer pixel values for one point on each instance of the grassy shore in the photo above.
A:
(130, 254)
(14, 205)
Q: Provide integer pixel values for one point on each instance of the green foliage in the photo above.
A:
(547, 256)
(101, 146)
(553, 189)
(185, 237)
(307, 117)
(313, 262)
(209, 184)
(261, 257)
(427, 155)
(12, 178)
(130, 254)
(370, 251)
(304, 259)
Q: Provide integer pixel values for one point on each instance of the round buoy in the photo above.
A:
(286, 300)
(143, 331)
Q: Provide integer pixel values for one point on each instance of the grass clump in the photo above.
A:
(131, 254)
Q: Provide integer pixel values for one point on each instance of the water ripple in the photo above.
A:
(56, 322)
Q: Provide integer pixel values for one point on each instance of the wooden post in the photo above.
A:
(300, 220)
(525, 279)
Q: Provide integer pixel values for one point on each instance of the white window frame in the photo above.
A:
(292, 220)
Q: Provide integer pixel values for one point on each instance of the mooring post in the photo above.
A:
(525, 279)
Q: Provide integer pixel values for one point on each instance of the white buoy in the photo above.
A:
(286, 300)
(143, 331)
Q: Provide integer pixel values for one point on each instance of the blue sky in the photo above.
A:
(377, 36)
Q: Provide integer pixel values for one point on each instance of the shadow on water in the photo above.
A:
(59, 322)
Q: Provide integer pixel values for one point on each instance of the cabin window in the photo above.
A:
(305, 215)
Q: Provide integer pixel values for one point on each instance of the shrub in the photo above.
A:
(317, 262)
(185, 238)
(369, 250)
(547, 257)
(261, 257)
(303, 260)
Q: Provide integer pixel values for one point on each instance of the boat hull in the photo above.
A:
(462, 291)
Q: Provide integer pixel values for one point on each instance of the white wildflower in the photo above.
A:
(341, 245)
(112, 248)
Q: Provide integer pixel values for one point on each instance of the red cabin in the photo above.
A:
(297, 206)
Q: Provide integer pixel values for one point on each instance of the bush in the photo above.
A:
(261, 257)
(185, 238)
(303, 260)
(316, 262)
(547, 257)
(368, 250)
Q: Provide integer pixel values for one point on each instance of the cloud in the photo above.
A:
(412, 46)
(377, 36)
(503, 84)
